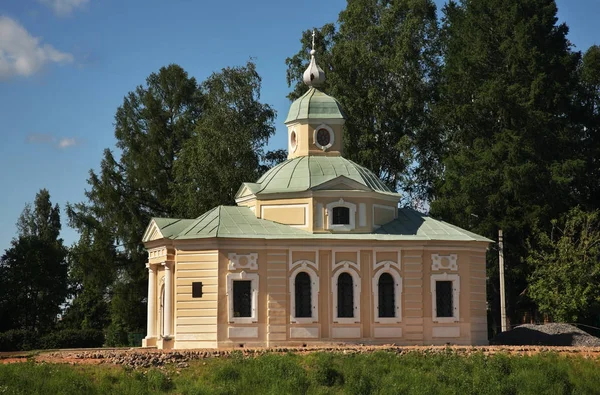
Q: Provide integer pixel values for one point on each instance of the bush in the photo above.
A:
(18, 340)
(25, 340)
(73, 338)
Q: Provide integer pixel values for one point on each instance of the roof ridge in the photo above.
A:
(278, 168)
(294, 169)
(219, 207)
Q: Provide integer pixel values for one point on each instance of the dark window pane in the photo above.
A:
(242, 298)
(303, 296)
(345, 296)
(444, 302)
(387, 303)
(196, 290)
(341, 216)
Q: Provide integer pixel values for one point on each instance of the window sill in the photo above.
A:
(351, 320)
(445, 320)
(243, 320)
(343, 228)
(388, 320)
(303, 320)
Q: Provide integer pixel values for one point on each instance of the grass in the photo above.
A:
(320, 373)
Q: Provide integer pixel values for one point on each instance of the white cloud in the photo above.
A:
(66, 142)
(64, 7)
(62, 143)
(23, 54)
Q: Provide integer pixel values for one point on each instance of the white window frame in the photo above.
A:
(331, 137)
(314, 296)
(293, 147)
(341, 203)
(243, 276)
(356, 296)
(455, 278)
(397, 297)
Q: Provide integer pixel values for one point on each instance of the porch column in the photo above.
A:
(168, 301)
(151, 332)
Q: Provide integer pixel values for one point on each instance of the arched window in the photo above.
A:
(345, 296)
(387, 302)
(303, 295)
(341, 216)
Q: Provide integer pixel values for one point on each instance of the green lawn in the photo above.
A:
(320, 373)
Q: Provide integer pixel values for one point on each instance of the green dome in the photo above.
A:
(306, 172)
(315, 104)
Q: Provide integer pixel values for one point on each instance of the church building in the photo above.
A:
(316, 251)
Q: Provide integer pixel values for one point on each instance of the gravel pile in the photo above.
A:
(546, 335)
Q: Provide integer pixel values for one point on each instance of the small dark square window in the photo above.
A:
(444, 302)
(242, 298)
(196, 290)
(341, 216)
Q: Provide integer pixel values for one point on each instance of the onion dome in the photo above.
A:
(314, 104)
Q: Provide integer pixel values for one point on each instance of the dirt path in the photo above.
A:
(144, 358)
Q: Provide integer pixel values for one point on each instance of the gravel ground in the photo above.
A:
(546, 335)
(138, 358)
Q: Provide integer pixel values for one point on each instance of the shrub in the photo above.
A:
(73, 338)
(18, 340)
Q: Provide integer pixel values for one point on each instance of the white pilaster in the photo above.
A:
(151, 333)
(168, 299)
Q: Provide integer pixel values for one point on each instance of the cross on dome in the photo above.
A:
(314, 76)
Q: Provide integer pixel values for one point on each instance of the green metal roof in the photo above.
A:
(241, 222)
(315, 104)
(306, 172)
(170, 227)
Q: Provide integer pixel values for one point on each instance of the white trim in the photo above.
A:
(251, 261)
(341, 203)
(319, 216)
(293, 147)
(302, 249)
(283, 206)
(455, 278)
(159, 252)
(437, 259)
(245, 199)
(345, 265)
(303, 263)
(397, 296)
(377, 264)
(356, 296)
(362, 214)
(152, 232)
(314, 295)
(253, 277)
(331, 136)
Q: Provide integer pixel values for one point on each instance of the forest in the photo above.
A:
(485, 117)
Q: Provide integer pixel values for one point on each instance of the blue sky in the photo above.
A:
(65, 66)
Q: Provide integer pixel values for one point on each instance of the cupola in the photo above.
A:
(315, 119)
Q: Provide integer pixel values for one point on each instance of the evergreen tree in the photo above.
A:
(33, 271)
(184, 148)
(382, 64)
(510, 152)
(588, 124)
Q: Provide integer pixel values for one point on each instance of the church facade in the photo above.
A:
(316, 251)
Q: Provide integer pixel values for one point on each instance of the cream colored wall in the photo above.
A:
(195, 322)
(231, 334)
(375, 214)
(305, 138)
(478, 298)
(287, 211)
(205, 322)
